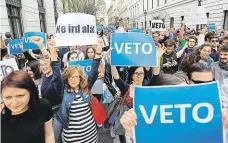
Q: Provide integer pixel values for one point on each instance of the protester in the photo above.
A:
(75, 114)
(225, 41)
(52, 82)
(8, 38)
(25, 118)
(73, 49)
(220, 68)
(214, 40)
(90, 53)
(169, 58)
(204, 52)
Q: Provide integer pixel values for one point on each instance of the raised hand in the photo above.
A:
(161, 49)
(128, 120)
(37, 40)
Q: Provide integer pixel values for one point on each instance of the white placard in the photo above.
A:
(195, 15)
(157, 25)
(8, 66)
(75, 29)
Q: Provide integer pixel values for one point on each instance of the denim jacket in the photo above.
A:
(63, 114)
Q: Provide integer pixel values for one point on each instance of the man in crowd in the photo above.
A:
(214, 40)
(220, 68)
(8, 38)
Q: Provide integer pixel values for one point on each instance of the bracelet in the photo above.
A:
(129, 137)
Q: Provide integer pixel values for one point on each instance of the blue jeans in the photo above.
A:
(57, 130)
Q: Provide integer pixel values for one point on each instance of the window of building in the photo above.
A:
(225, 26)
(142, 25)
(42, 13)
(14, 16)
(55, 11)
(165, 1)
(207, 15)
(158, 2)
(147, 4)
(172, 22)
(152, 4)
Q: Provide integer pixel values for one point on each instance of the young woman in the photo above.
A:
(97, 89)
(25, 118)
(72, 56)
(204, 52)
(33, 69)
(137, 75)
(75, 113)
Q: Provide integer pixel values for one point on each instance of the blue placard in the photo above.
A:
(178, 114)
(85, 64)
(15, 46)
(133, 49)
(28, 44)
(137, 30)
(211, 26)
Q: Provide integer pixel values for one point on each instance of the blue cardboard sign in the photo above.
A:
(85, 64)
(137, 30)
(178, 114)
(133, 49)
(211, 26)
(15, 46)
(112, 27)
(28, 44)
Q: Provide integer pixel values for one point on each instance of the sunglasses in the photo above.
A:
(200, 82)
(138, 74)
(214, 41)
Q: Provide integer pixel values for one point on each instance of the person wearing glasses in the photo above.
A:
(214, 41)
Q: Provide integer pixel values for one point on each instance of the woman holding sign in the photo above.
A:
(137, 74)
(75, 115)
(25, 118)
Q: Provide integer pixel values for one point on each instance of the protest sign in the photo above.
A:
(211, 26)
(8, 66)
(137, 30)
(133, 49)
(178, 114)
(28, 44)
(76, 29)
(157, 25)
(195, 15)
(85, 64)
(15, 46)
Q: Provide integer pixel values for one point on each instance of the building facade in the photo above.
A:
(171, 12)
(19, 16)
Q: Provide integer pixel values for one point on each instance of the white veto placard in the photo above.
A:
(75, 29)
(195, 15)
(8, 66)
(157, 25)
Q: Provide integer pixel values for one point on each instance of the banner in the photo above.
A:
(157, 25)
(178, 114)
(8, 66)
(211, 26)
(15, 46)
(137, 30)
(195, 15)
(133, 49)
(85, 64)
(76, 29)
(28, 44)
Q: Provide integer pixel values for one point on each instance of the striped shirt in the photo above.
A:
(82, 127)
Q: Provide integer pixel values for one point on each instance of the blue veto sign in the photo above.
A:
(15, 46)
(211, 26)
(178, 114)
(137, 30)
(133, 49)
(28, 44)
(85, 64)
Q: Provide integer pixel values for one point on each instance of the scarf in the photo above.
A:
(223, 66)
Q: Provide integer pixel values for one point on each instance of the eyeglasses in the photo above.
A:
(139, 74)
(74, 77)
(214, 41)
(200, 82)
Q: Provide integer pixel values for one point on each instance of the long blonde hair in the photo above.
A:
(69, 72)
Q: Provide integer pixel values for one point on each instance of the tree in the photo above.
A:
(84, 6)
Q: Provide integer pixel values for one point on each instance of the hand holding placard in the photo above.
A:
(128, 121)
(161, 50)
(37, 40)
